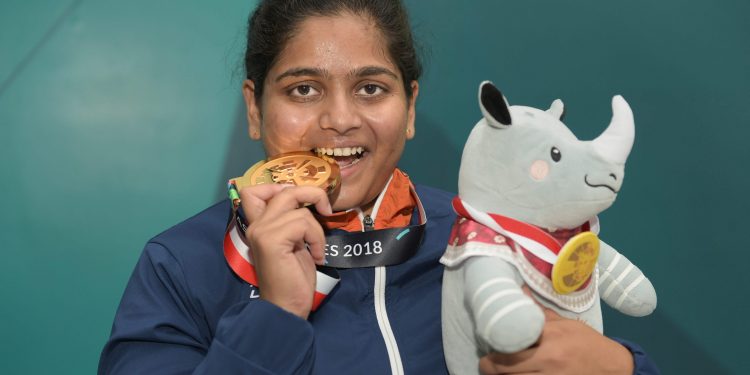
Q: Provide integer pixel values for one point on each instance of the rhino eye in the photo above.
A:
(555, 154)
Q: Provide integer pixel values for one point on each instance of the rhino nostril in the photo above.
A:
(613, 176)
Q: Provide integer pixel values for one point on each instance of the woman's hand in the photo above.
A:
(565, 347)
(285, 242)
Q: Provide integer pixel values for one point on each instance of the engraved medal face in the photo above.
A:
(294, 168)
(575, 262)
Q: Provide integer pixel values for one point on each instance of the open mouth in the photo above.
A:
(585, 179)
(344, 156)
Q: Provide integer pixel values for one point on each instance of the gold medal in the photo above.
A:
(575, 262)
(294, 168)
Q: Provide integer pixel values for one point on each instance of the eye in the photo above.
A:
(303, 91)
(370, 90)
(555, 154)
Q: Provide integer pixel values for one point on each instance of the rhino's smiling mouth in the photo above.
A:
(585, 179)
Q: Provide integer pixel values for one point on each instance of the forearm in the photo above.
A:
(260, 338)
(159, 329)
(254, 337)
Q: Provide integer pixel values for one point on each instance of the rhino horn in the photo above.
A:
(615, 143)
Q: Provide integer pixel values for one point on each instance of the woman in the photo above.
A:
(337, 77)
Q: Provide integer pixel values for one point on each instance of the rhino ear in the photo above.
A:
(557, 109)
(493, 105)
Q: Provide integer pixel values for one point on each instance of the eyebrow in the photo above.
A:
(367, 71)
(299, 72)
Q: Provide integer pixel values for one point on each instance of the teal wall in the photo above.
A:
(118, 119)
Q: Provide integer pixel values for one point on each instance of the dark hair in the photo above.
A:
(274, 22)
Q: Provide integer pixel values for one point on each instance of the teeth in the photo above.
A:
(341, 151)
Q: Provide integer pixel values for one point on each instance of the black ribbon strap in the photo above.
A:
(383, 247)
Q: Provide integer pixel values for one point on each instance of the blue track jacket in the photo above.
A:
(185, 312)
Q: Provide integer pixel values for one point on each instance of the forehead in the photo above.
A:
(337, 44)
(530, 120)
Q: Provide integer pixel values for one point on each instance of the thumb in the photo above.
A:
(549, 314)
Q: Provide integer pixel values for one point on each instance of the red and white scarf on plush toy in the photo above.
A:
(532, 250)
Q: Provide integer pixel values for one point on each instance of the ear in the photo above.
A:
(411, 111)
(253, 109)
(493, 105)
(557, 109)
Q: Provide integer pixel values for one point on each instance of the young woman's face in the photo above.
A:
(335, 88)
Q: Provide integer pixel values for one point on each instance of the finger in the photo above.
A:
(527, 291)
(549, 314)
(285, 229)
(315, 238)
(254, 199)
(294, 197)
(509, 363)
(289, 232)
(516, 361)
(487, 367)
(307, 264)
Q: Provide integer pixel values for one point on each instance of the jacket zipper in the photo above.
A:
(368, 223)
(394, 357)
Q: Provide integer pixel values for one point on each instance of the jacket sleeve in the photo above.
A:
(158, 329)
(642, 363)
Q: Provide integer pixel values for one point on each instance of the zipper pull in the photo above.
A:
(368, 223)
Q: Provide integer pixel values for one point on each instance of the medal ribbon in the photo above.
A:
(535, 240)
(374, 248)
(394, 246)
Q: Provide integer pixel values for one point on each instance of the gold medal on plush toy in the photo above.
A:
(294, 168)
(575, 262)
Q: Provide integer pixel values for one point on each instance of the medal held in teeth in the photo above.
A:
(294, 168)
(575, 262)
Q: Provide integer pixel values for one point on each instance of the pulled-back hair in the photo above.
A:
(274, 22)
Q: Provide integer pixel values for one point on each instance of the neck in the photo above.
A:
(367, 208)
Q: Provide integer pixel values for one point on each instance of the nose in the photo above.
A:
(340, 113)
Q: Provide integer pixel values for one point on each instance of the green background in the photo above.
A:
(119, 119)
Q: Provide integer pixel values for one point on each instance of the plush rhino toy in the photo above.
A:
(528, 195)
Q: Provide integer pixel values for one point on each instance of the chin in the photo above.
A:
(358, 188)
(343, 202)
(351, 196)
